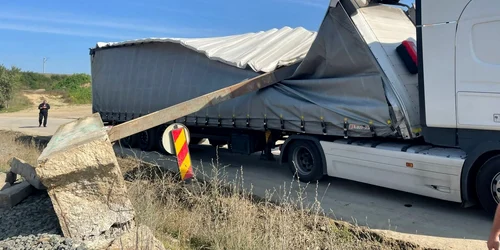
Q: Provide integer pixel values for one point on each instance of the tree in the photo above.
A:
(8, 81)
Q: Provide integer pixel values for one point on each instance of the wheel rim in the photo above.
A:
(495, 188)
(303, 160)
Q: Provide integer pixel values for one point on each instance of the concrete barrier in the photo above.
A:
(13, 195)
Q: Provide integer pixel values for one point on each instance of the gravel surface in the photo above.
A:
(33, 224)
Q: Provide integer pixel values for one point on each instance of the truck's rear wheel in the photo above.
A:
(488, 184)
(147, 140)
(304, 160)
(129, 141)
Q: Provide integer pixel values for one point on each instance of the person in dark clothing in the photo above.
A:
(44, 112)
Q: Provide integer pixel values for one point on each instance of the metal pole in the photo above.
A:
(43, 65)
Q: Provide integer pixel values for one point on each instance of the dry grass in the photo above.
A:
(14, 144)
(17, 103)
(222, 215)
(217, 214)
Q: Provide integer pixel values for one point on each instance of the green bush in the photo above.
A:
(78, 94)
(9, 82)
(72, 82)
(81, 95)
(34, 80)
(70, 86)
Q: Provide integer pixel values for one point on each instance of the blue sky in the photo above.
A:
(64, 30)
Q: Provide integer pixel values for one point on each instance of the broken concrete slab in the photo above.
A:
(20, 167)
(83, 179)
(13, 195)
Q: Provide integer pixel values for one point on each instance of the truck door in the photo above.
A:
(478, 66)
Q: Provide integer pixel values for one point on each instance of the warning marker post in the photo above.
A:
(176, 139)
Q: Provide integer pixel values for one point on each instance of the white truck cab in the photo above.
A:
(450, 105)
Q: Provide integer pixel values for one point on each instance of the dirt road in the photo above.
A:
(447, 225)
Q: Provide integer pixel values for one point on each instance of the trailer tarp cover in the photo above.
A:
(337, 85)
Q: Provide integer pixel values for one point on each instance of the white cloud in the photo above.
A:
(113, 24)
(91, 26)
(52, 30)
(323, 4)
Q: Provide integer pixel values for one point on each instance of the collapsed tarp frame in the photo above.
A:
(327, 119)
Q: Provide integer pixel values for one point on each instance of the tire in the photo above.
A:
(129, 142)
(304, 161)
(147, 140)
(488, 185)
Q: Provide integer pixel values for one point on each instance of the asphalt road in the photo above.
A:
(29, 125)
(365, 205)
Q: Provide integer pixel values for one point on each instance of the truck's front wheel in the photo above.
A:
(304, 160)
(488, 184)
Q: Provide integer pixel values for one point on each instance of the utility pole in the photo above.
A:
(43, 65)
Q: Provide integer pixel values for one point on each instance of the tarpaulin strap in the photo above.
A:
(206, 120)
(346, 127)
(185, 119)
(196, 120)
(248, 121)
(219, 122)
(302, 124)
(234, 122)
(323, 125)
(265, 121)
(282, 122)
(372, 129)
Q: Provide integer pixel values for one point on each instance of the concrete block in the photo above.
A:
(83, 179)
(20, 167)
(5, 186)
(13, 195)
